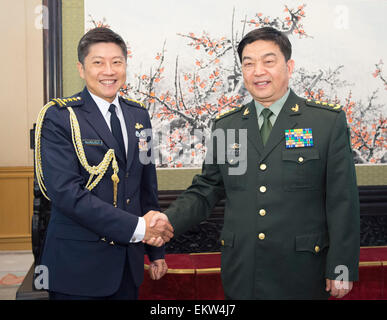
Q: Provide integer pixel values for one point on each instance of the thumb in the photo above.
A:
(157, 216)
(154, 219)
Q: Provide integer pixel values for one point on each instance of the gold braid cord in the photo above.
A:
(94, 171)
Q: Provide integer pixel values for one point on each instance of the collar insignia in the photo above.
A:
(295, 108)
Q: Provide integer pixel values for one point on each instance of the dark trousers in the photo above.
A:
(126, 291)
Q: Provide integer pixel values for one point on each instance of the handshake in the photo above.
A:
(158, 230)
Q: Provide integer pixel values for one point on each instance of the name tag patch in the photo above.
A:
(92, 142)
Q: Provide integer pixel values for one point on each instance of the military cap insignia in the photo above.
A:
(298, 138)
(324, 105)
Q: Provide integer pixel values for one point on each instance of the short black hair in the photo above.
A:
(267, 34)
(97, 35)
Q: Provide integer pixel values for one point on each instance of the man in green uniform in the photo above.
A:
(291, 222)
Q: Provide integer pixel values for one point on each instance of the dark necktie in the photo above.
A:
(266, 126)
(116, 128)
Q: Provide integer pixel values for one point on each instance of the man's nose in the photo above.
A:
(259, 69)
(108, 69)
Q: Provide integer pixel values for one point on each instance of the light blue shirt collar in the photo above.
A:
(276, 108)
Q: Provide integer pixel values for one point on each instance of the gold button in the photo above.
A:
(263, 167)
(127, 201)
(317, 249)
(111, 243)
(261, 236)
(262, 212)
(103, 239)
(262, 189)
(300, 159)
(222, 242)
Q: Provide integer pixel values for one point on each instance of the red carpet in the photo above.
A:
(196, 276)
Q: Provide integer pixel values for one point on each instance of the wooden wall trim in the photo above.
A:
(16, 172)
(16, 207)
(11, 237)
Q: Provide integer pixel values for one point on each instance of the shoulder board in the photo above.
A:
(323, 105)
(68, 102)
(134, 103)
(224, 114)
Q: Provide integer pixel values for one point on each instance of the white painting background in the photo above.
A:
(346, 36)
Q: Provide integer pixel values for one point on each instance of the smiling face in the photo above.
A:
(266, 74)
(104, 70)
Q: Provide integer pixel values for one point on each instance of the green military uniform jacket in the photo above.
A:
(292, 219)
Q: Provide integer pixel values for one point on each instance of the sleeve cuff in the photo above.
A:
(139, 233)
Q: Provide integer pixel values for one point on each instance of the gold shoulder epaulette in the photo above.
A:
(132, 102)
(223, 114)
(68, 102)
(324, 105)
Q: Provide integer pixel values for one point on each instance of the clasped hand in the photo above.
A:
(158, 229)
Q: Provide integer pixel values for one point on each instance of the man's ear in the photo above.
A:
(81, 70)
(290, 67)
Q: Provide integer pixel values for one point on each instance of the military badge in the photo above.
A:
(141, 134)
(295, 108)
(142, 145)
(139, 126)
(298, 138)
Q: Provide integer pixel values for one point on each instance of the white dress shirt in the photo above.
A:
(103, 106)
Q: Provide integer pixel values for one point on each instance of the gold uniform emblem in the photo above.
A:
(295, 108)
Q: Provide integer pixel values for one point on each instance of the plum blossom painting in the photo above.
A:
(184, 67)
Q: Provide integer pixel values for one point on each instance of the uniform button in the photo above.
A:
(262, 189)
(111, 243)
(127, 175)
(317, 249)
(127, 201)
(263, 167)
(222, 242)
(300, 159)
(262, 212)
(103, 239)
(261, 236)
